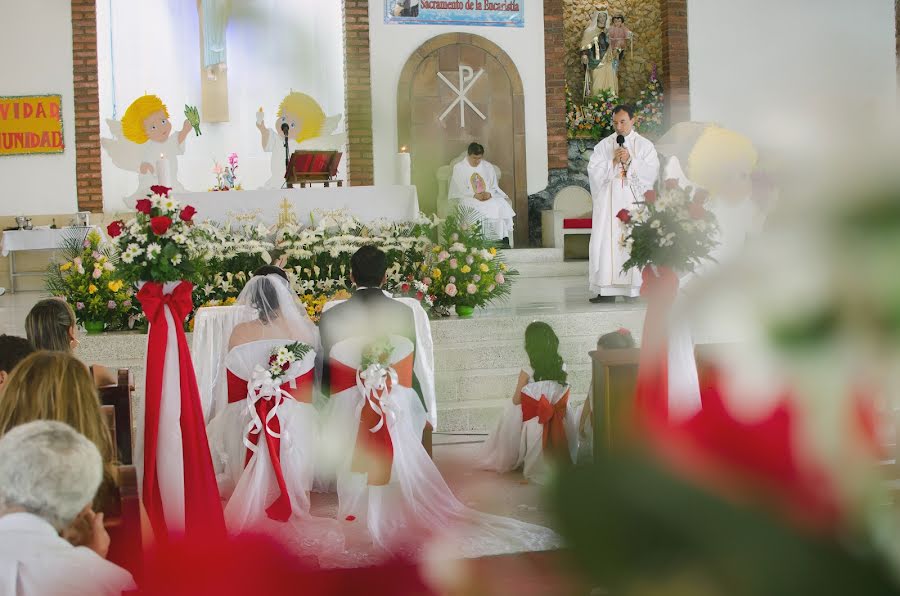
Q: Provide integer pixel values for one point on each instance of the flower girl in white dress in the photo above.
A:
(538, 424)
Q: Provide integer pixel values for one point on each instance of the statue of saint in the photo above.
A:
(619, 37)
(597, 56)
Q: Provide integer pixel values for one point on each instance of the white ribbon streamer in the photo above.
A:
(375, 384)
(263, 386)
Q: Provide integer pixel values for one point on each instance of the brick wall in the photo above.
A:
(555, 79)
(675, 72)
(87, 105)
(358, 93)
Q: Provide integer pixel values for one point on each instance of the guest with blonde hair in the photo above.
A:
(50, 325)
(56, 386)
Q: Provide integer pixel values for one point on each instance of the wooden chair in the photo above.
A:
(123, 518)
(118, 397)
(614, 379)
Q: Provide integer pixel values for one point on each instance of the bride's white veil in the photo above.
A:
(278, 308)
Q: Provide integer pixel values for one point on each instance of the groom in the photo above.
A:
(368, 311)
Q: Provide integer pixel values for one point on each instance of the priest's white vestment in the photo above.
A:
(614, 188)
(495, 214)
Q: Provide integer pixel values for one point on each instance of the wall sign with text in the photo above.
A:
(496, 13)
(31, 124)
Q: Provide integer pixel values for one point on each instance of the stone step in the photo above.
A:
(551, 269)
(532, 255)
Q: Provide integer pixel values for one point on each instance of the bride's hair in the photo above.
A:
(542, 347)
(265, 297)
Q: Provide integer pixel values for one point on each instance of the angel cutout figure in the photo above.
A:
(308, 129)
(142, 141)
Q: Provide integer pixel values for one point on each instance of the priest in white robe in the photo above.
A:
(619, 177)
(474, 185)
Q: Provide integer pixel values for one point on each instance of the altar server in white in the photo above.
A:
(49, 474)
(474, 185)
(623, 167)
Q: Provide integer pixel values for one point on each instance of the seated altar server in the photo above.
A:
(538, 425)
(263, 442)
(49, 474)
(473, 184)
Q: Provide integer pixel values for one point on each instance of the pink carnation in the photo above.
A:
(97, 273)
(427, 281)
(451, 290)
(499, 279)
(453, 263)
(471, 288)
(111, 304)
(443, 256)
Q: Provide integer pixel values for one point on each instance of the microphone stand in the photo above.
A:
(287, 157)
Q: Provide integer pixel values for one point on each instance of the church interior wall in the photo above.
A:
(793, 75)
(37, 51)
(392, 45)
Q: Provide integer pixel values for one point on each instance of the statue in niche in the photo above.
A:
(597, 55)
(619, 38)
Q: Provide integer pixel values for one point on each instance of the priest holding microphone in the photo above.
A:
(623, 167)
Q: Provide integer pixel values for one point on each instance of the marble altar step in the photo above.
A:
(543, 262)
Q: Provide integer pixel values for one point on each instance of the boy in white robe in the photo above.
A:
(619, 177)
(474, 185)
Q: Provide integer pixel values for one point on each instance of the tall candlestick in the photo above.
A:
(162, 171)
(404, 168)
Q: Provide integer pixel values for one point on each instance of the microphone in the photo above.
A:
(620, 139)
(285, 128)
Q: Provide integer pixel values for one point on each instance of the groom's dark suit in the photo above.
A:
(368, 312)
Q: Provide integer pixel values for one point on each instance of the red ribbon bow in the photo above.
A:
(553, 418)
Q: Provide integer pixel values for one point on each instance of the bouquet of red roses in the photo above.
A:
(159, 243)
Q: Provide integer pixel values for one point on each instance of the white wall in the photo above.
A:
(37, 48)
(392, 45)
(790, 73)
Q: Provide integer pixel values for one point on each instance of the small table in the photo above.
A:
(40, 239)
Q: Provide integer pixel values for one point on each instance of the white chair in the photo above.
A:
(443, 178)
(571, 215)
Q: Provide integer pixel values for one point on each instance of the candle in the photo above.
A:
(162, 171)
(404, 168)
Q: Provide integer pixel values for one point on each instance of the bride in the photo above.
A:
(263, 442)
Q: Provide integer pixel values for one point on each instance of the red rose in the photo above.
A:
(624, 215)
(114, 229)
(285, 366)
(700, 196)
(672, 183)
(350, 518)
(272, 359)
(404, 287)
(160, 190)
(650, 196)
(697, 210)
(187, 214)
(419, 296)
(160, 224)
(143, 206)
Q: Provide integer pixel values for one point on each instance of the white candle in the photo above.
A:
(404, 168)
(162, 171)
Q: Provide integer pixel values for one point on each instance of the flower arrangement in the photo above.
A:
(314, 304)
(593, 118)
(226, 175)
(649, 107)
(318, 254)
(469, 271)
(673, 229)
(418, 289)
(234, 251)
(159, 243)
(377, 353)
(86, 277)
(282, 357)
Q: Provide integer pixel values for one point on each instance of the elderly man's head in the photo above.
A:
(48, 469)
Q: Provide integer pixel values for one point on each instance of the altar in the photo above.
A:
(367, 203)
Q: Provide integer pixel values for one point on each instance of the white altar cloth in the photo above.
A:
(40, 238)
(367, 203)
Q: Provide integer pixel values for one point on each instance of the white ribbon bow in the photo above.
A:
(263, 386)
(374, 386)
